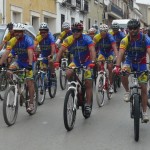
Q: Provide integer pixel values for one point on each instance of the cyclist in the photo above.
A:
(46, 41)
(96, 27)
(118, 35)
(23, 45)
(106, 47)
(92, 32)
(136, 45)
(82, 48)
(9, 35)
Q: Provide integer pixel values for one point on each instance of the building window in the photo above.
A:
(89, 23)
(16, 17)
(35, 23)
(62, 20)
(72, 20)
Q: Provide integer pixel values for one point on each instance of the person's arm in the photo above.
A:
(30, 55)
(53, 49)
(60, 52)
(120, 57)
(114, 46)
(92, 53)
(4, 57)
(2, 45)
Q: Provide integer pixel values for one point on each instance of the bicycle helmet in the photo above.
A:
(92, 31)
(77, 25)
(95, 26)
(66, 25)
(115, 26)
(43, 26)
(103, 27)
(133, 23)
(19, 27)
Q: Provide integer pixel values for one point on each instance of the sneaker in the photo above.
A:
(127, 97)
(111, 90)
(87, 110)
(30, 108)
(145, 117)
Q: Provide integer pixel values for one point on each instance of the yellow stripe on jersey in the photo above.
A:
(124, 43)
(11, 43)
(97, 38)
(68, 41)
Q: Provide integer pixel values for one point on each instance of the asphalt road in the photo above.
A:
(108, 128)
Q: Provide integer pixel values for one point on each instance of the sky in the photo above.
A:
(143, 1)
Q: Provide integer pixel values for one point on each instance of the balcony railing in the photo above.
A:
(78, 3)
(115, 9)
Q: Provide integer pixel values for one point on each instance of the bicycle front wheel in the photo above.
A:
(62, 77)
(52, 87)
(41, 87)
(136, 112)
(10, 106)
(99, 90)
(69, 112)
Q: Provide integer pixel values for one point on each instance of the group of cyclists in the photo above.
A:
(98, 44)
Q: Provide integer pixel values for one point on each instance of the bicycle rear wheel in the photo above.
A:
(69, 112)
(3, 82)
(10, 109)
(99, 90)
(136, 111)
(62, 77)
(41, 89)
(35, 100)
(115, 82)
(52, 86)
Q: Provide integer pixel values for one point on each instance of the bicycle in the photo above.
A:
(135, 101)
(44, 80)
(102, 84)
(18, 89)
(75, 98)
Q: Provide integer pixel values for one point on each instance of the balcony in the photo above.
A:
(78, 4)
(114, 10)
(66, 3)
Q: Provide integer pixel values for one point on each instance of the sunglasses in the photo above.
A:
(76, 30)
(133, 28)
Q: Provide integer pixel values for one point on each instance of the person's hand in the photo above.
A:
(117, 70)
(56, 65)
(29, 67)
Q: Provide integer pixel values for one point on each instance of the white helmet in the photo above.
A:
(19, 26)
(103, 27)
(92, 30)
(43, 25)
(66, 25)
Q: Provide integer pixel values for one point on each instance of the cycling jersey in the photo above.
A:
(7, 37)
(64, 34)
(79, 48)
(118, 37)
(136, 51)
(104, 44)
(21, 47)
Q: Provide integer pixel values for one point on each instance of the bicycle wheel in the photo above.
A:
(115, 82)
(41, 89)
(10, 109)
(136, 111)
(52, 86)
(3, 82)
(62, 76)
(69, 112)
(118, 81)
(35, 100)
(99, 90)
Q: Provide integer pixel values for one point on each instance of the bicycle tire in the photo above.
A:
(119, 81)
(41, 90)
(5, 102)
(136, 112)
(3, 82)
(69, 124)
(99, 90)
(35, 99)
(61, 76)
(115, 82)
(52, 83)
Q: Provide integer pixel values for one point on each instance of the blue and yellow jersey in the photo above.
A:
(136, 50)
(79, 48)
(7, 37)
(45, 44)
(21, 47)
(64, 35)
(104, 44)
(118, 37)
